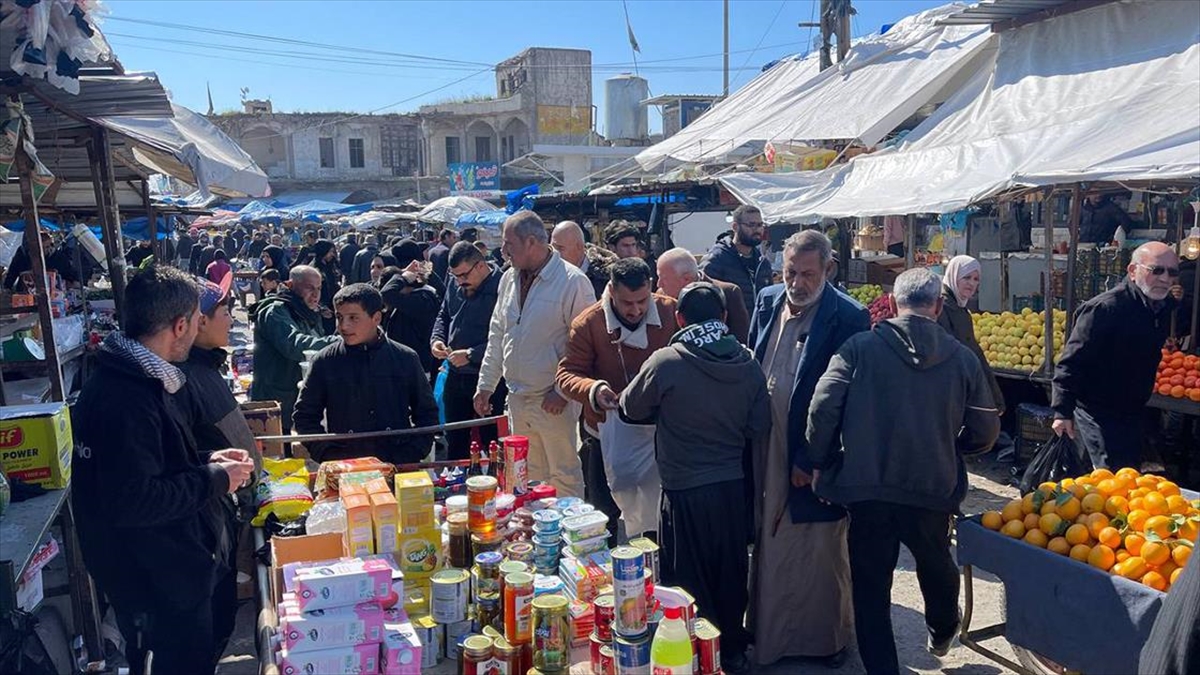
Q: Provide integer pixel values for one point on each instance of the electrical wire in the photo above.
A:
(760, 41)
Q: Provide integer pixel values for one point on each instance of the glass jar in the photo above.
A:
(508, 654)
(460, 540)
(518, 595)
(481, 503)
(485, 575)
(477, 649)
(551, 633)
(484, 543)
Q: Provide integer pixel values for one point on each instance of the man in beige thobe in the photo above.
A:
(800, 601)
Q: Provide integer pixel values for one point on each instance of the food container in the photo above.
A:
(429, 632)
(459, 540)
(708, 648)
(477, 650)
(448, 596)
(518, 596)
(547, 585)
(583, 547)
(551, 633)
(547, 522)
(629, 594)
(602, 613)
(632, 655)
(586, 526)
(481, 500)
(485, 575)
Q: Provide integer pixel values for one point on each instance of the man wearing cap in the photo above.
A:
(217, 422)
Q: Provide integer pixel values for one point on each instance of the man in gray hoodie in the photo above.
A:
(701, 443)
(890, 421)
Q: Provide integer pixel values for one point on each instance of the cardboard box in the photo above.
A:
(264, 419)
(414, 496)
(360, 532)
(305, 548)
(36, 444)
(385, 514)
(420, 553)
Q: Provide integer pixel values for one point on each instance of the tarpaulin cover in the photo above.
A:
(1084, 619)
(447, 210)
(491, 220)
(214, 161)
(1059, 105)
(883, 81)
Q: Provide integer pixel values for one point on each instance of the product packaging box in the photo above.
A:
(360, 532)
(309, 548)
(414, 496)
(401, 646)
(328, 628)
(357, 660)
(420, 553)
(36, 444)
(385, 514)
(346, 582)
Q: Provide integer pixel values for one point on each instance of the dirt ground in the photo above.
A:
(989, 490)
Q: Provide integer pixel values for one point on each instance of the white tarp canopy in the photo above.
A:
(884, 80)
(192, 149)
(1109, 93)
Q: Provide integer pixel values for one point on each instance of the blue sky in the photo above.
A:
(446, 44)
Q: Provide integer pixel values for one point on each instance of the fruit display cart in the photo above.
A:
(1081, 589)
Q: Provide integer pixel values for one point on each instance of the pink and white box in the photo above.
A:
(401, 646)
(357, 660)
(347, 582)
(326, 628)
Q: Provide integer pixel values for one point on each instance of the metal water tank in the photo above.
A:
(624, 114)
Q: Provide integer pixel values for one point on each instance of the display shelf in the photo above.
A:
(38, 366)
(22, 322)
(1172, 404)
(24, 526)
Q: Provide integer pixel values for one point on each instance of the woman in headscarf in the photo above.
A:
(275, 258)
(960, 283)
(324, 258)
(379, 263)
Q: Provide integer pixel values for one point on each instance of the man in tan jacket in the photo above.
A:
(608, 343)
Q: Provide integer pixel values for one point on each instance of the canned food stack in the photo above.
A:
(630, 620)
(547, 540)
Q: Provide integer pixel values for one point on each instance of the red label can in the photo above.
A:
(707, 645)
(602, 611)
(594, 646)
(608, 662)
(516, 464)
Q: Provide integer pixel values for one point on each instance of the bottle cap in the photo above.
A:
(673, 612)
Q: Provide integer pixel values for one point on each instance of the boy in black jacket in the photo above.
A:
(217, 422)
(365, 382)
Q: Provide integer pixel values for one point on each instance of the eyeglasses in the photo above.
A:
(462, 276)
(753, 225)
(1159, 270)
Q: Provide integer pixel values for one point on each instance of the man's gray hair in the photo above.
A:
(805, 241)
(304, 273)
(917, 288)
(680, 260)
(528, 224)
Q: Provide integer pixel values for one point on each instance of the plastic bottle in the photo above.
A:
(671, 649)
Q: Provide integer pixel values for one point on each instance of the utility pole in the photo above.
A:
(725, 88)
(835, 22)
(826, 33)
(842, 13)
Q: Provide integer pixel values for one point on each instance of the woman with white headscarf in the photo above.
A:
(960, 283)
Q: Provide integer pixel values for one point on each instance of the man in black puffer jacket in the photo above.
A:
(365, 382)
(737, 259)
(148, 502)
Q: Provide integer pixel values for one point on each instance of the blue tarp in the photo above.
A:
(672, 198)
(134, 228)
(275, 212)
(19, 225)
(491, 220)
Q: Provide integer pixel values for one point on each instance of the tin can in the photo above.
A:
(508, 654)
(518, 551)
(607, 664)
(489, 611)
(455, 633)
(602, 610)
(485, 575)
(516, 464)
(518, 596)
(429, 632)
(491, 632)
(649, 551)
(477, 650)
(632, 656)
(481, 501)
(448, 596)
(629, 593)
(551, 633)
(594, 645)
(708, 648)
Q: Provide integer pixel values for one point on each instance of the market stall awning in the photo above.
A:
(1058, 106)
(192, 149)
(884, 80)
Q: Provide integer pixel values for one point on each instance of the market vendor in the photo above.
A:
(960, 283)
(1099, 219)
(149, 504)
(365, 382)
(1107, 369)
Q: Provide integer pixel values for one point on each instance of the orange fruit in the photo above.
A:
(1128, 473)
(1014, 529)
(1181, 554)
(1155, 552)
(1175, 575)
(1136, 503)
(1058, 545)
(1133, 568)
(1037, 538)
(1115, 505)
(1148, 481)
(1078, 534)
(1107, 487)
(1101, 474)
(1164, 389)
(1163, 526)
(1178, 391)
(1123, 555)
(1137, 519)
(1188, 530)
(1102, 557)
(1134, 543)
(1156, 504)
(1079, 552)
(1048, 507)
(1026, 505)
(1069, 509)
(992, 520)
(1155, 580)
(1178, 505)
(1095, 523)
(1110, 537)
(1012, 511)
(1031, 521)
(1092, 503)
(1051, 524)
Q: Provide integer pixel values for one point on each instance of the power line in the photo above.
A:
(760, 40)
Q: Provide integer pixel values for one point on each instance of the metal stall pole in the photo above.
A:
(910, 241)
(100, 157)
(152, 224)
(1047, 283)
(1073, 251)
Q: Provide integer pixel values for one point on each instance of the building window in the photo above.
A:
(327, 160)
(453, 150)
(483, 148)
(357, 154)
(400, 149)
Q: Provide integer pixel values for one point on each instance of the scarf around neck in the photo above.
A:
(152, 365)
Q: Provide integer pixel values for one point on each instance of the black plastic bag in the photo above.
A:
(1058, 458)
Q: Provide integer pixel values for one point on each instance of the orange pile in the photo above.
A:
(1178, 375)
(1136, 526)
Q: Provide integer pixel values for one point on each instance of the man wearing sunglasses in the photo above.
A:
(1106, 372)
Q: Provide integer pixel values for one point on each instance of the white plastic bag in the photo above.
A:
(628, 451)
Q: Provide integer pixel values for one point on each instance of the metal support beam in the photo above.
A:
(1048, 283)
(725, 85)
(151, 222)
(37, 262)
(110, 217)
(1073, 251)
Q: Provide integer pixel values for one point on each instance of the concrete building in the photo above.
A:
(330, 152)
(680, 110)
(543, 97)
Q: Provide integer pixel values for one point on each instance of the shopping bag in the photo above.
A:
(439, 391)
(628, 451)
(1058, 458)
